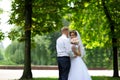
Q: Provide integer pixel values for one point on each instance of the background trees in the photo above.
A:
(99, 20)
(113, 23)
(48, 21)
(100, 34)
(1, 33)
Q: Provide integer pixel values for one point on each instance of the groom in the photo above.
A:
(63, 49)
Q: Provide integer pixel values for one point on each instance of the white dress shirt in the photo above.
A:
(63, 46)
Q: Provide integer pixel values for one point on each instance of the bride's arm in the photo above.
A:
(79, 53)
(76, 52)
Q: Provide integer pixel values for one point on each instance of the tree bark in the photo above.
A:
(114, 41)
(27, 74)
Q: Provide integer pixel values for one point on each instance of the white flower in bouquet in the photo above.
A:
(75, 41)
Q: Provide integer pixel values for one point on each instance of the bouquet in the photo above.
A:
(74, 41)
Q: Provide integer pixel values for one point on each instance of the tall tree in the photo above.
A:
(114, 40)
(46, 17)
(27, 74)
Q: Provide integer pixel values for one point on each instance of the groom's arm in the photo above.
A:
(67, 46)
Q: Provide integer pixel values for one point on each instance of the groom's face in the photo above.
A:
(67, 33)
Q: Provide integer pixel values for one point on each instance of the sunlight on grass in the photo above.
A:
(104, 78)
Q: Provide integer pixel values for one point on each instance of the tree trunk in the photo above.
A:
(27, 74)
(114, 41)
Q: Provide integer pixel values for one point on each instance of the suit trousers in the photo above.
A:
(64, 67)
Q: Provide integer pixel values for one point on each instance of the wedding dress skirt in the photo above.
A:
(78, 70)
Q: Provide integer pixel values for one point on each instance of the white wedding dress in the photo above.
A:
(78, 70)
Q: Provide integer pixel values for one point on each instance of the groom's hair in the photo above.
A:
(64, 29)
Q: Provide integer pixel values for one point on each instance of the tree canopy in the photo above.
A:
(87, 16)
(1, 33)
(46, 16)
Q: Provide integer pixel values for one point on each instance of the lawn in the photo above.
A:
(93, 78)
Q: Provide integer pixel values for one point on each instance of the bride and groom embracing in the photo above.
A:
(70, 51)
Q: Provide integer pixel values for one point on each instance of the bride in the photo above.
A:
(78, 70)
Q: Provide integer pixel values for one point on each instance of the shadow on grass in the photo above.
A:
(93, 78)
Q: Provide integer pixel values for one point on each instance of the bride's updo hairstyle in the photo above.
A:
(73, 31)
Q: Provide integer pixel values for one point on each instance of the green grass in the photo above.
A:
(93, 78)
(104, 78)
(6, 62)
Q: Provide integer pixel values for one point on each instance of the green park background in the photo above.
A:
(97, 21)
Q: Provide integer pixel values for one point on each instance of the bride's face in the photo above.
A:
(72, 35)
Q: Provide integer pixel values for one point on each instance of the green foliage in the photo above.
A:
(86, 16)
(1, 11)
(92, 29)
(52, 47)
(1, 57)
(6, 62)
(16, 33)
(40, 52)
(1, 52)
(99, 58)
(3, 60)
(1, 33)
(94, 26)
(14, 52)
(90, 20)
(114, 13)
(46, 16)
(43, 52)
(2, 36)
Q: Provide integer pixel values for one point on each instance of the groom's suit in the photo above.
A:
(63, 50)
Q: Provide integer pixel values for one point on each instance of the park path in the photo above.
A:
(7, 74)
